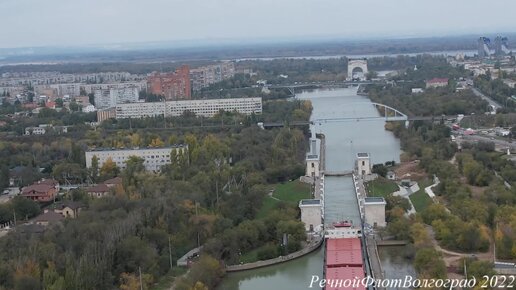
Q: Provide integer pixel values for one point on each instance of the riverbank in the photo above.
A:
(309, 248)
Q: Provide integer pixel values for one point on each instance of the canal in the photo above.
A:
(343, 141)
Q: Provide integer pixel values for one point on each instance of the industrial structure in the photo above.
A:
(499, 48)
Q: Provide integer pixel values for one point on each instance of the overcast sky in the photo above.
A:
(80, 22)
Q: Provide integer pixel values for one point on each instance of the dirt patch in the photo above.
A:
(410, 170)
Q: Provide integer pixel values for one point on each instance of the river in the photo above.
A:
(343, 141)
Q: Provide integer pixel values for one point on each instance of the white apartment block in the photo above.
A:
(205, 108)
(109, 98)
(91, 88)
(204, 76)
(154, 158)
(59, 89)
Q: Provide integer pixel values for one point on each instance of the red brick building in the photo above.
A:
(42, 191)
(173, 86)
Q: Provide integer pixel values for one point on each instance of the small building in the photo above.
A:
(312, 160)
(311, 213)
(510, 83)
(363, 164)
(436, 83)
(417, 90)
(113, 182)
(99, 190)
(47, 218)
(374, 208)
(67, 209)
(391, 175)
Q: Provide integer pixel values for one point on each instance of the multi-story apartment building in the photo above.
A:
(111, 97)
(204, 76)
(105, 114)
(173, 86)
(154, 158)
(72, 89)
(205, 108)
(91, 88)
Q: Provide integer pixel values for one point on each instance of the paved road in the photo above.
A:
(488, 99)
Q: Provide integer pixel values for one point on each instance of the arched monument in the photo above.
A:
(357, 69)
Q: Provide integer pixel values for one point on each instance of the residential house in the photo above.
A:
(69, 209)
(47, 218)
(99, 190)
(41, 191)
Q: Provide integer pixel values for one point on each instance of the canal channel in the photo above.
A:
(343, 141)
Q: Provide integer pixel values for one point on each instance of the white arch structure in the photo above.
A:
(390, 114)
(354, 64)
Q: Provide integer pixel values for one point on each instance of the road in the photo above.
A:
(501, 144)
(488, 99)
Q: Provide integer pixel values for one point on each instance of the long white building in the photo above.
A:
(205, 108)
(154, 158)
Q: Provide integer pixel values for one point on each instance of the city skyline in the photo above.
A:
(59, 23)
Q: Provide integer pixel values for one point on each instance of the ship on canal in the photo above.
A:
(343, 257)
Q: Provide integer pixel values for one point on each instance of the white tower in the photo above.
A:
(363, 164)
(312, 160)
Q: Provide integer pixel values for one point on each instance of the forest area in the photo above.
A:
(208, 196)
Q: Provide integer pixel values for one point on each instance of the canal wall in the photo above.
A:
(309, 248)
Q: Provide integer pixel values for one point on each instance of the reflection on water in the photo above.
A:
(395, 262)
(293, 275)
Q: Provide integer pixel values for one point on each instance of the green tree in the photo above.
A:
(94, 169)
(109, 169)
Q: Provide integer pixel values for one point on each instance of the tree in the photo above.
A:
(371, 75)
(109, 169)
(129, 281)
(59, 103)
(74, 107)
(157, 142)
(134, 165)
(25, 208)
(4, 177)
(94, 169)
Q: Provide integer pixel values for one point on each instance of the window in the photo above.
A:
(363, 163)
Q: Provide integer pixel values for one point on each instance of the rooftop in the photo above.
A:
(437, 80)
(310, 202)
(375, 200)
(49, 216)
(116, 180)
(175, 146)
(362, 155)
(98, 188)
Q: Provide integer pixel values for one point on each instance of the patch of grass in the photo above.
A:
(381, 187)
(289, 192)
(420, 199)
(251, 256)
(292, 192)
(268, 205)
(166, 281)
